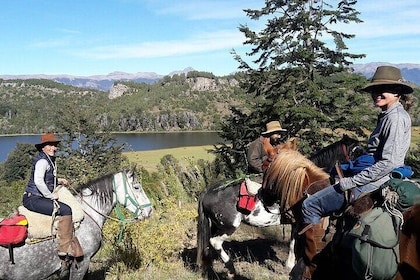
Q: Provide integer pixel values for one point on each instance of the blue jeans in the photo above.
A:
(326, 201)
(44, 205)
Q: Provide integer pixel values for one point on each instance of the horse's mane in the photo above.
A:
(289, 175)
(100, 187)
(323, 157)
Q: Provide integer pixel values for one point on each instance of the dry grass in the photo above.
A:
(415, 136)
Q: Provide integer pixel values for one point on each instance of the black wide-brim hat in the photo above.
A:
(388, 76)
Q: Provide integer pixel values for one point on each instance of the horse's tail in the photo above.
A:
(204, 258)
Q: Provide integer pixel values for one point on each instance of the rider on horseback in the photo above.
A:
(388, 144)
(262, 150)
(40, 197)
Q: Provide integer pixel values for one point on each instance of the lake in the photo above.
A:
(133, 141)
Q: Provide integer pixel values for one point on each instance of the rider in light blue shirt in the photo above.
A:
(388, 144)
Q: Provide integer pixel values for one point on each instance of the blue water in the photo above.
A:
(132, 141)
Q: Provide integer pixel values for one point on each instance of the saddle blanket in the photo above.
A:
(41, 226)
(247, 195)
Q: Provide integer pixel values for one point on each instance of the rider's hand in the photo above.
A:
(62, 181)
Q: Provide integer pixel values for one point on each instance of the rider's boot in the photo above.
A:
(313, 245)
(65, 235)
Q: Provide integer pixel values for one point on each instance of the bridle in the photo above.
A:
(127, 197)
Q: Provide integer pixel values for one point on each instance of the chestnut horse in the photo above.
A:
(291, 176)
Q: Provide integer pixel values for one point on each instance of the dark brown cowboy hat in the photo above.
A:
(273, 127)
(47, 138)
(388, 77)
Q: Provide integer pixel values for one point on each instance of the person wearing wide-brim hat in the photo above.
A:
(388, 145)
(47, 139)
(40, 195)
(258, 154)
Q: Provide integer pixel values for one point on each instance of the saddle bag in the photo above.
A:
(407, 190)
(13, 232)
(375, 252)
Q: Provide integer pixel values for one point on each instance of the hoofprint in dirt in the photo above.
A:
(257, 253)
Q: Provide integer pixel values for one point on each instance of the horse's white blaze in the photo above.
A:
(217, 242)
(260, 217)
(291, 259)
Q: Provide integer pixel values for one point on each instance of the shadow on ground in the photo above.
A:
(268, 253)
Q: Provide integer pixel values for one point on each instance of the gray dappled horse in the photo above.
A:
(97, 199)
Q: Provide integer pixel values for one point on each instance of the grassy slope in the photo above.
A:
(150, 159)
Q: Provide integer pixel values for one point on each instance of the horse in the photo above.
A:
(345, 149)
(97, 199)
(219, 217)
(220, 200)
(287, 182)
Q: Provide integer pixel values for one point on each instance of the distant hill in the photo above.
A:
(98, 82)
(410, 72)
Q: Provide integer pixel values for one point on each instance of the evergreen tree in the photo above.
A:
(298, 78)
(18, 163)
(86, 152)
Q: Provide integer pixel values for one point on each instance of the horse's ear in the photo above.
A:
(293, 142)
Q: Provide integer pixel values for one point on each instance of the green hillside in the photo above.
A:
(196, 101)
(177, 103)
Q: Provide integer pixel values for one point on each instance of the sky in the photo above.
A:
(97, 37)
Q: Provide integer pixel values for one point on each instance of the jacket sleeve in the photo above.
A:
(39, 173)
(255, 156)
(392, 156)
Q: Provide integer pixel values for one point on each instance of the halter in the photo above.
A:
(139, 208)
(121, 219)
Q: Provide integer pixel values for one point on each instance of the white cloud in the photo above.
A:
(200, 44)
(204, 10)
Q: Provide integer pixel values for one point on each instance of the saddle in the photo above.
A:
(43, 226)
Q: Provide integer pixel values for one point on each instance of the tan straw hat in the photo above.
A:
(388, 76)
(272, 127)
(47, 138)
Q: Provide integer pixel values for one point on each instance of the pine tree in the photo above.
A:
(299, 75)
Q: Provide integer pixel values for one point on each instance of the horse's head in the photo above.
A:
(289, 144)
(130, 194)
(351, 147)
(289, 175)
(272, 151)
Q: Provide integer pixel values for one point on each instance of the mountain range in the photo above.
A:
(410, 72)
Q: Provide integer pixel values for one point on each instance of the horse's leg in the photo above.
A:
(291, 258)
(217, 243)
